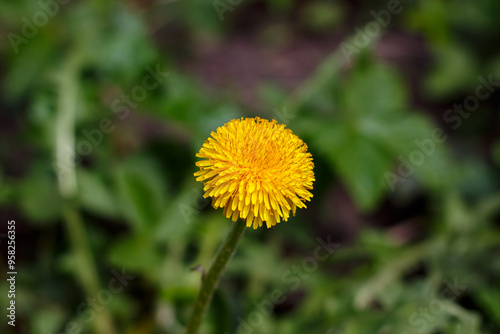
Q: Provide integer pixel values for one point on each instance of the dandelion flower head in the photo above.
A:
(257, 170)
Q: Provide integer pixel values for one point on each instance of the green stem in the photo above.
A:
(85, 266)
(212, 278)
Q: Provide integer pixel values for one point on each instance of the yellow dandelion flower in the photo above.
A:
(256, 170)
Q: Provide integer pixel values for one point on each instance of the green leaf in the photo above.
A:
(137, 253)
(455, 70)
(374, 89)
(47, 320)
(181, 212)
(94, 195)
(488, 298)
(363, 180)
(27, 70)
(141, 186)
(39, 196)
(322, 16)
(371, 131)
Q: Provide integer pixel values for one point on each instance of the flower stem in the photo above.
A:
(212, 278)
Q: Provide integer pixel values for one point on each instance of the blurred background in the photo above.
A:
(104, 105)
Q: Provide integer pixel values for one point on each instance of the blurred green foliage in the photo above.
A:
(424, 254)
